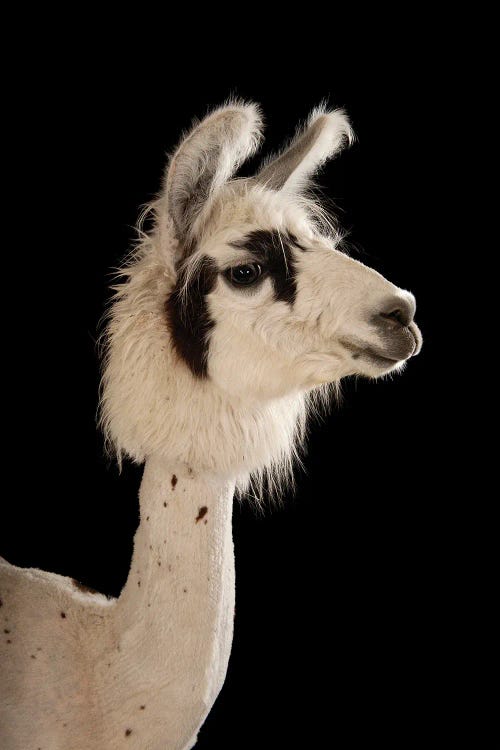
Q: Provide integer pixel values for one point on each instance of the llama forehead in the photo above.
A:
(252, 242)
(241, 208)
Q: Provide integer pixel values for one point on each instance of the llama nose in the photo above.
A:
(398, 311)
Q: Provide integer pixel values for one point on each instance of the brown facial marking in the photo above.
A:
(139, 583)
(1, 603)
(142, 708)
(274, 250)
(202, 512)
(191, 325)
(165, 505)
(6, 631)
(185, 591)
(173, 481)
(128, 732)
(63, 615)
(8, 640)
(33, 656)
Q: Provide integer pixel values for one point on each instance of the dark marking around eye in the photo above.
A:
(273, 250)
(189, 319)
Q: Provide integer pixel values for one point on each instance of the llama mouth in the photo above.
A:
(372, 355)
(398, 350)
(380, 360)
(417, 337)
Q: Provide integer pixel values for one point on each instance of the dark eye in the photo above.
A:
(244, 275)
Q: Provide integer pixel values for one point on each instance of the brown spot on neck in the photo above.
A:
(202, 512)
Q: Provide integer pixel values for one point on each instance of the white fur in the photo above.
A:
(143, 671)
(78, 682)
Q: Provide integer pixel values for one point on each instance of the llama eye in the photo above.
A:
(244, 275)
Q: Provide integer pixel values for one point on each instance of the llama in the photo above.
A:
(234, 314)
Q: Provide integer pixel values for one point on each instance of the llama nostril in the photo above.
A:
(396, 315)
(398, 311)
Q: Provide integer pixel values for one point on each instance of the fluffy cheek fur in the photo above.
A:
(248, 354)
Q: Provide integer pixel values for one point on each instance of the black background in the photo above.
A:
(340, 592)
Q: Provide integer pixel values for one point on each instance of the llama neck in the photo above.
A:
(174, 619)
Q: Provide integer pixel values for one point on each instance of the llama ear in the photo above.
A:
(325, 134)
(206, 158)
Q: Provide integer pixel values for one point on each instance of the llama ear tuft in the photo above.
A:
(325, 134)
(206, 158)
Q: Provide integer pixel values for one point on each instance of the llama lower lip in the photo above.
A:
(379, 359)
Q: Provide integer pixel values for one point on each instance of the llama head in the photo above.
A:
(241, 301)
(265, 302)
